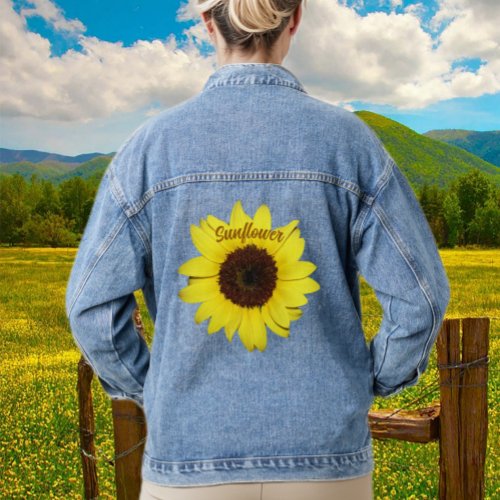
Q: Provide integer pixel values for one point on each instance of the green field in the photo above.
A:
(39, 436)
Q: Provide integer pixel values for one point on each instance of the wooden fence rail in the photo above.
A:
(459, 420)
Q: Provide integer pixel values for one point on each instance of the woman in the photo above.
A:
(245, 214)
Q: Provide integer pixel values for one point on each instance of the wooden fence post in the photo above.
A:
(463, 417)
(474, 405)
(87, 430)
(130, 429)
(462, 414)
(129, 426)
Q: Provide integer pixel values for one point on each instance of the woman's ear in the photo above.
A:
(209, 24)
(296, 17)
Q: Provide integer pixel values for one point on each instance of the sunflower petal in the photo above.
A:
(278, 330)
(234, 320)
(303, 285)
(296, 270)
(288, 295)
(207, 308)
(294, 313)
(210, 230)
(259, 334)
(199, 266)
(215, 222)
(245, 330)
(238, 216)
(199, 292)
(262, 217)
(287, 230)
(219, 318)
(205, 226)
(207, 245)
(278, 312)
(292, 250)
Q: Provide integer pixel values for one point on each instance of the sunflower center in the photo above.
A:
(248, 276)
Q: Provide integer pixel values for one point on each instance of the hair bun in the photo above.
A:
(244, 23)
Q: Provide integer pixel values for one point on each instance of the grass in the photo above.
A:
(39, 436)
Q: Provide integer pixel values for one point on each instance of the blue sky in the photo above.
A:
(81, 76)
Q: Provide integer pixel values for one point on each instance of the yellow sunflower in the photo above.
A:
(248, 275)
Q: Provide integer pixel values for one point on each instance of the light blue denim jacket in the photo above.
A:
(244, 214)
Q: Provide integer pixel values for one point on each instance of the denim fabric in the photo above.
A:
(245, 214)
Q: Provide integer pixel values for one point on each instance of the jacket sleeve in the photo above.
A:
(110, 265)
(395, 251)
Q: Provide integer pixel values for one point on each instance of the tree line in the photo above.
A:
(40, 213)
(465, 213)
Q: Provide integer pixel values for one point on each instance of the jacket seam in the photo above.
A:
(386, 346)
(173, 182)
(100, 252)
(121, 201)
(227, 83)
(422, 282)
(360, 455)
(358, 226)
(384, 178)
(117, 354)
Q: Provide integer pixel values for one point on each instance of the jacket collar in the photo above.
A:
(253, 73)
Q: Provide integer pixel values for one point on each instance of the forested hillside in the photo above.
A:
(48, 203)
(486, 145)
(425, 160)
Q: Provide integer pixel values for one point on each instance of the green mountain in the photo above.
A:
(46, 170)
(57, 171)
(420, 158)
(91, 168)
(35, 156)
(423, 159)
(486, 145)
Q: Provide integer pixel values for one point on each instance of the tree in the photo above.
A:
(74, 194)
(431, 201)
(33, 191)
(49, 230)
(13, 208)
(485, 227)
(452, 214)
(49, 201)
(473, 189)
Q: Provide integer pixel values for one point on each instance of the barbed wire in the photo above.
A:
(427, 390)
(111, 461)
(433, 386)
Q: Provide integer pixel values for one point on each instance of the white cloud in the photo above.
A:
(417, 9)
(388, 58)
(103, 79)
(339, 55)
(473, 30)
(53, 15)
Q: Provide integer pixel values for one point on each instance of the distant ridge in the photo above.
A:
(57, 172)
(34, 156)
(485, 144)
(423, 159)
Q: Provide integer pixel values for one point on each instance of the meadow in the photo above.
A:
(39, 435)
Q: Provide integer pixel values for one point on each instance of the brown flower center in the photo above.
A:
(248, 276)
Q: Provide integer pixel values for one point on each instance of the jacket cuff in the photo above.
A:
(384, 391)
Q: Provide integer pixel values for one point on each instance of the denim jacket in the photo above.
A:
(245, 214)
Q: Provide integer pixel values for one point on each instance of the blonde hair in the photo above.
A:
(248, 25)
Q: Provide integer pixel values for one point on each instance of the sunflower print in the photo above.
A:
(248, 276)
